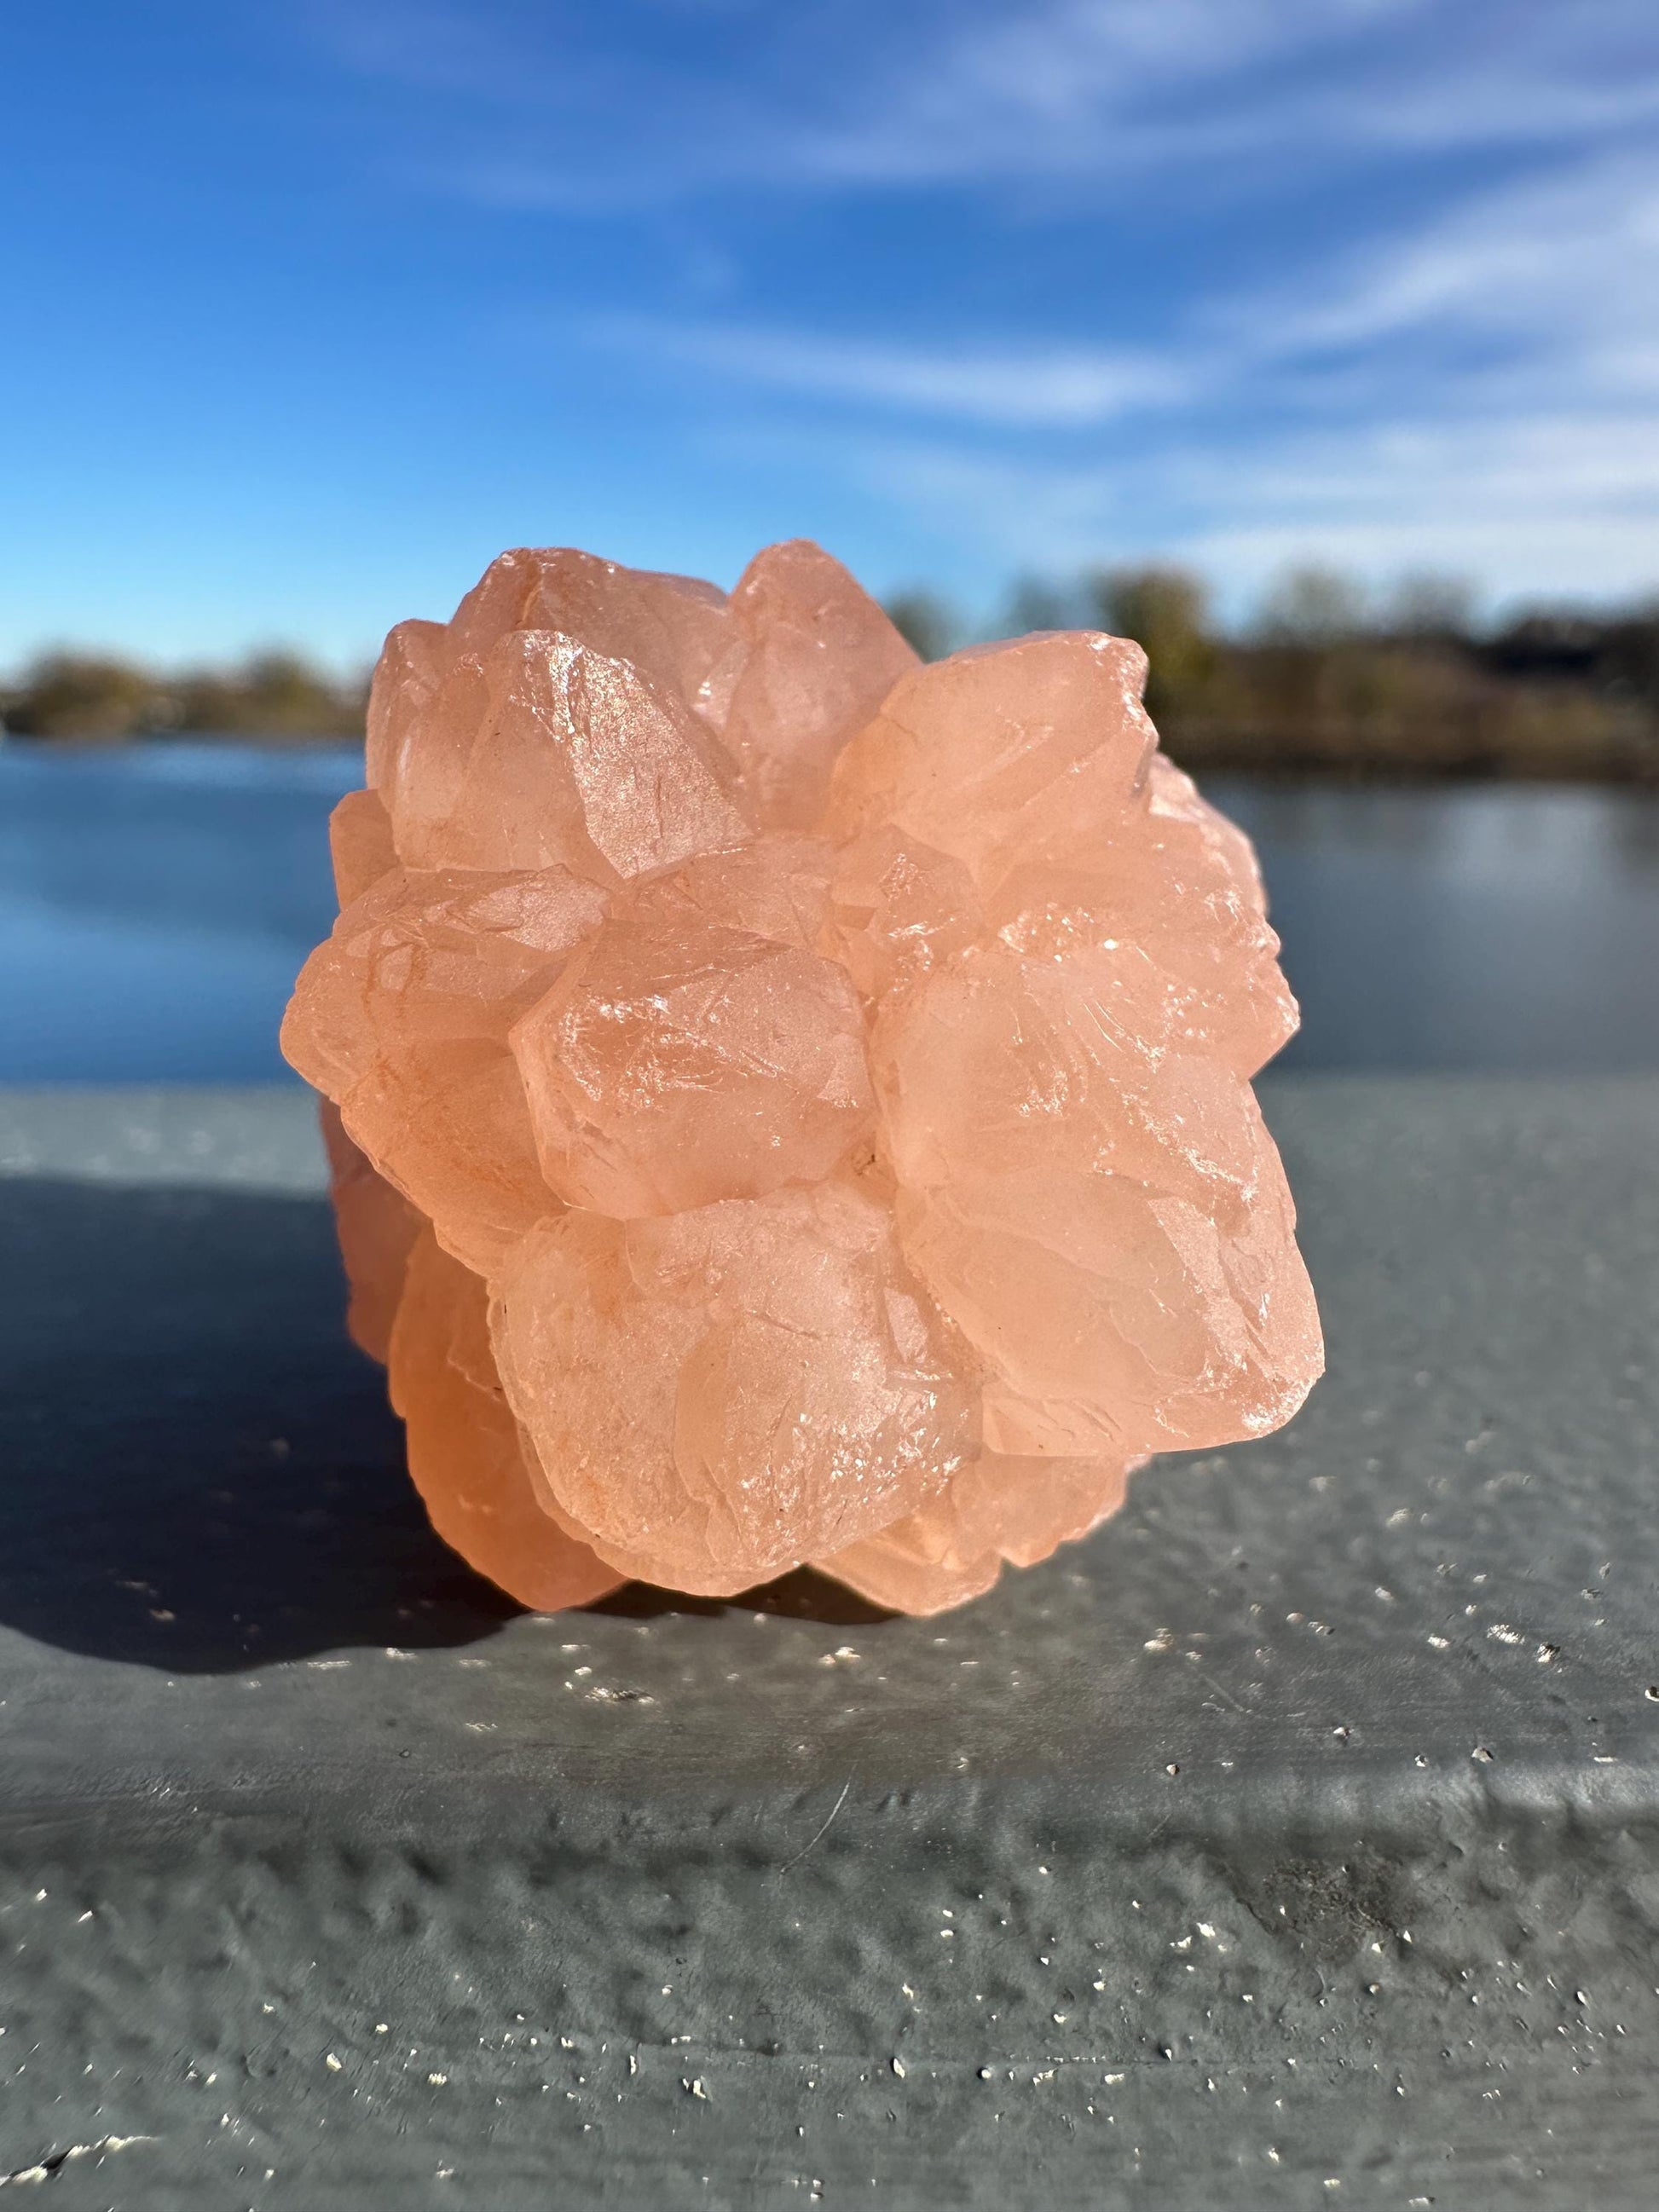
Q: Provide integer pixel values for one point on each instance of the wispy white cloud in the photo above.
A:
(1564, 261)
(1109, 87)
(1543, 504)
(1050, 387)
(1518, 74)
(1471, 373)
(558, 106)
(1548, 285)
(1082, 85)
(1483, 393)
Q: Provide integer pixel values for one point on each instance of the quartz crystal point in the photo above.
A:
(785, 1103)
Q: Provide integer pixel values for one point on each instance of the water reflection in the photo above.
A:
(156, 903)
(1498, 926)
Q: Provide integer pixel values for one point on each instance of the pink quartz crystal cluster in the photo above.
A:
(787, 1102)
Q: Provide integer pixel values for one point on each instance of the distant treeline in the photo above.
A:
(1320, 681)
(95, 697)
(1324, 682)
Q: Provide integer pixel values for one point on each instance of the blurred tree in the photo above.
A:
(1313, 687)
(94, 697)
(1428, 603)
(1630, 653)
(1166, 611)
(274, 694)
(1311, 607)
(1614, 656)
(1545, 643)
(83, 695)
(1039, 602)
(924, 623)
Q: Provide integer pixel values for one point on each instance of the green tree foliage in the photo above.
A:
(1324, 681)
(1314, 608)
(1038, 603)
(1428, 603)
(83, 695)
(275, 695)
(924, 623)
(92, 697)
(1166, 611)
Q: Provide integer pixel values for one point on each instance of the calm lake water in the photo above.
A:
(156, 903)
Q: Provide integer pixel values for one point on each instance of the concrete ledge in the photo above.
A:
(1293, 1842)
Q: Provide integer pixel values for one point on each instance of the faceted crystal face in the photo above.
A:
(815, 661)
(1180, 883)
(1101, 1212)
(695, 1048)
(996, 1510)
(547, 754)
(896, 909)
(403, 1017)
(718, 1393)
(464, 1451)
(360, 845)
(788, 1103)
(377, 1226)
(1021, 753)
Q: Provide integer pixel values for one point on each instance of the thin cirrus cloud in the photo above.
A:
(561, 109)
(1099, 87)
(1562, 264)
(1546, 505)
(951, 283)
(1083, 85)
(1558, 277)
(1481, 392)
(1058, 387)
(1441, 341)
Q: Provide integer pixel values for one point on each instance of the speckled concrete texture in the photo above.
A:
(1294, 1842)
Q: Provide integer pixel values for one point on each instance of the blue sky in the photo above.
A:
(314, 308)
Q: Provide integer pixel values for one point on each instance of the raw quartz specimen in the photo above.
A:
(785, 1102)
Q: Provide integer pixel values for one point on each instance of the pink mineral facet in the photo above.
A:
(464, 1451)
(698, 1047)
(717, 1393)
(377, 1227)
(786, 1103)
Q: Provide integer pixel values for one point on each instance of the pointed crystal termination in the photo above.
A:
(785, 1103)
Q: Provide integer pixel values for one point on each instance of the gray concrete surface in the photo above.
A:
(1294, 1842)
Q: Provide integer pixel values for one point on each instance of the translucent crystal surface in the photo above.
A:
(464, 1451)
(697, 1047)
(785, 1102)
